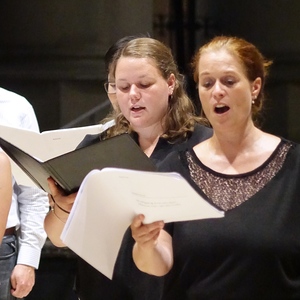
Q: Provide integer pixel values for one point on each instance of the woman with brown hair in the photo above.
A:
(151, 105)
(254, 251)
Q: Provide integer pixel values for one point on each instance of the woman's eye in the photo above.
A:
(207, 83)
(123, 88)
(144, 85)
(229, 81)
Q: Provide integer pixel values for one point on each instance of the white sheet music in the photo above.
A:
(108, 200)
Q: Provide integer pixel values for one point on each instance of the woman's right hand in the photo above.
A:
(61, 206)
(58, 196)
(145, 235)
(152, 252)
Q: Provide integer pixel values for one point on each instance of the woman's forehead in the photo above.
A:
(219, 59)
(131, 66)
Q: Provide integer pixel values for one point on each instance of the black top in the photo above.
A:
(254, 251)
(128, 282)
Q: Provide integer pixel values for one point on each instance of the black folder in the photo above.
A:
(69, 169)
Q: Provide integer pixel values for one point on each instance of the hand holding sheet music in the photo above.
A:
(108, 200)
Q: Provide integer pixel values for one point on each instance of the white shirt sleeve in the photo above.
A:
(31, 205)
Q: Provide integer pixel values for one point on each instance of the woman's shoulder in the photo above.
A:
(173, 162)
(88, 140)
(91, 139)
(200, 133)
(4, 161)
(294, 147)
(203, 130)
(3, 157)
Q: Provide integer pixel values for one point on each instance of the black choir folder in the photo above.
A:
(69, 169)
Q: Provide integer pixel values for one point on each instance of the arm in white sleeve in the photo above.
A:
(33, 206)
(30, 203)
(29, 120)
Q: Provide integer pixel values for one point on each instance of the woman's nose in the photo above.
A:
(134, 92)
(218, 90)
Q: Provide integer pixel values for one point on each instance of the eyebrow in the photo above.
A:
(139, 78)
(226, 73)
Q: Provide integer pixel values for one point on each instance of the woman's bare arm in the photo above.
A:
(5, 191)
(152, 252)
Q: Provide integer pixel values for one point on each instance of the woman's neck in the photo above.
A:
(234, 135)
(148, 144)
(235, 142)
(148, 138)
(234, 153)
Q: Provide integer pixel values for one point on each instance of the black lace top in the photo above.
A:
(229, 191)
(254, 251)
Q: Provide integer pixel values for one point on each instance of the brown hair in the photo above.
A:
(253, 62)
(180, 118)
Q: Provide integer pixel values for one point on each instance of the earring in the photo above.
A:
(253, 99)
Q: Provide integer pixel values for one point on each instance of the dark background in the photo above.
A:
(52, 53)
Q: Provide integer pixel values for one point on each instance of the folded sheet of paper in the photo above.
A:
(108, 200)
(47, 144)
(69, 168)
